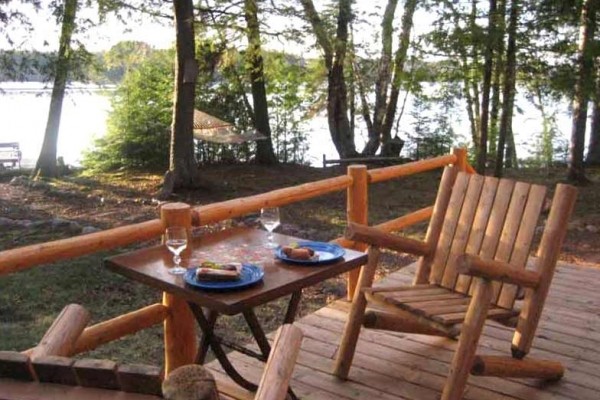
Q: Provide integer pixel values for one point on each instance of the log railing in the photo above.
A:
(179, 324)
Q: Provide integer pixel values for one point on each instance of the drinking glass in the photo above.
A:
(176, 241)
(269, 217)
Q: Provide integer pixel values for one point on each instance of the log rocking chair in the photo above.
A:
(472, 266)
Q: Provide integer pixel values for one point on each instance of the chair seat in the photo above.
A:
(433, 302)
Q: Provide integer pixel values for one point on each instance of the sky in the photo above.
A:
(46, 31)
(45, 34)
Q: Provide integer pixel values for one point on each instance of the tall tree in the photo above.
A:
(508, 90)
(334, 52)
(593, 155)
(585, 61)
(399, 60)
(388, 74)
(183, 169)
(255, 65)
(488, 67)
(46, 162)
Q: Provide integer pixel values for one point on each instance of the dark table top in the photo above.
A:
(150, 266)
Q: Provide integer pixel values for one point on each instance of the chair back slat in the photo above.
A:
(442, 251)
(436, 223)
(510, 228)
(478, 230)
(522, 243)
(463, 229)
(480, 222)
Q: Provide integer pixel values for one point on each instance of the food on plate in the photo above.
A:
(299, 253)
(211, 271)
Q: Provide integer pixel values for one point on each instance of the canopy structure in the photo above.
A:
(215, 130)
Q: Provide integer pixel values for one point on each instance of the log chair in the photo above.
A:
(472, 266)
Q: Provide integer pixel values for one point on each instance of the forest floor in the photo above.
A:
(34, 212)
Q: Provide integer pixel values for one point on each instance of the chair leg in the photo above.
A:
(355, 317)
(467, 344)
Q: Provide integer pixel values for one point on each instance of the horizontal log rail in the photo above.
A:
(123, 325)
(21, 258)
(415, 167)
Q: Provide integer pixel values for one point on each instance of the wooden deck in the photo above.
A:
(391, 365)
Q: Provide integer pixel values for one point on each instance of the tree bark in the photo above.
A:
(593, 155)
(576, 172)
(334, 54)
(399, 59)
(508, 90)
(497, 78)
(183, 169)
(46, 162)
(264, 148)
(383, 78)
(487, 83)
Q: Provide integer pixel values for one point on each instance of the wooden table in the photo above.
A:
(150, 266)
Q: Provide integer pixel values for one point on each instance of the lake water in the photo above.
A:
(24, 112)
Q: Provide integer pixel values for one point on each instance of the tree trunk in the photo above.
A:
(497, 78)
(487, 82)
(508, 90)
(337, 97)
(383, 78)
(46, 162)
(183, 169)
(334, 55)
(593, 155)
(399, 59)
(264, 148)
(510, 155)
(576, 172)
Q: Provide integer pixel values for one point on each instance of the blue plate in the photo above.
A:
(327, 252)
(250, 275)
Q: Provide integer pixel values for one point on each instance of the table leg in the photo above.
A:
(257, 332)
(211, 319)
(208, 335)
(292, 307)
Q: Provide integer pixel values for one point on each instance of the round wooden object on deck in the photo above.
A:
(190, 382)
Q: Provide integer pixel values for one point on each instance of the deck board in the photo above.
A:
(391, 365)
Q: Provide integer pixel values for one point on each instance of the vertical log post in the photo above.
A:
(356, 211)
(180, 326)
(461, 158)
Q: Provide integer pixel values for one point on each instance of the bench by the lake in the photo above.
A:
(10, 153)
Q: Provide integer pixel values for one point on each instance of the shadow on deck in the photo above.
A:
(390, 365)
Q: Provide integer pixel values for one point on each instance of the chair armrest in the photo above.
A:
(496, 270)
(376, 237)
(278, 372)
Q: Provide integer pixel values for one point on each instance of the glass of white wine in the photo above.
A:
(269, 218)
(176, 241)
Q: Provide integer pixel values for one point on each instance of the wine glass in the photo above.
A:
(176, 241)
(269, 217)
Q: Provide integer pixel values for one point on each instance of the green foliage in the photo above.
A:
(288, 90)
(139, 124)
(432, 134)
